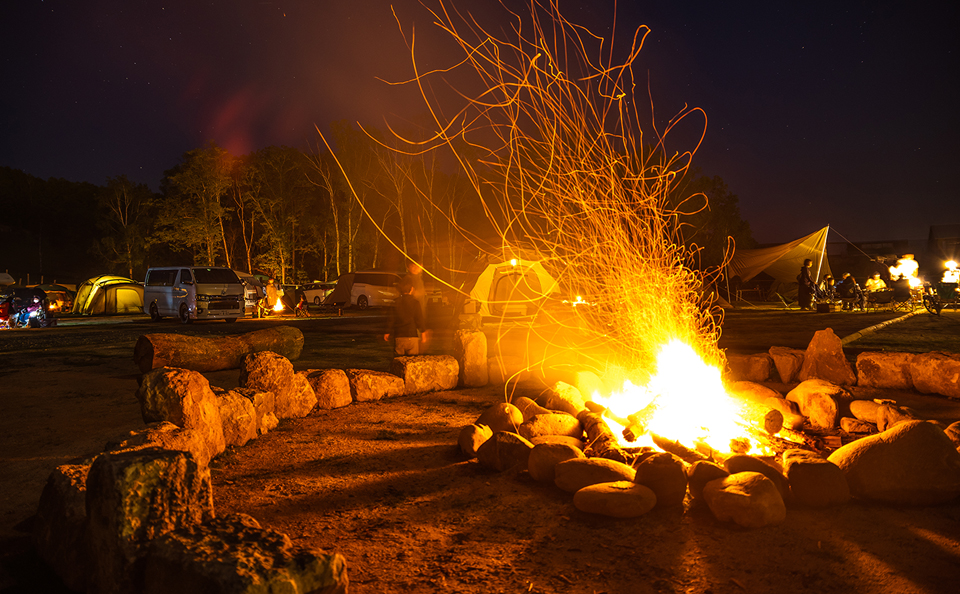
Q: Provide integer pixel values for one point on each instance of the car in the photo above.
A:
(193, 293)
(316, 292)
(365, 288)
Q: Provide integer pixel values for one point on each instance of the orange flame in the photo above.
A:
(690, 404)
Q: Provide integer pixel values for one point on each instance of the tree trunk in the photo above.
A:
(213, 353)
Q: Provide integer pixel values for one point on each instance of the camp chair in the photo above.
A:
(880, 299)
(903, 299)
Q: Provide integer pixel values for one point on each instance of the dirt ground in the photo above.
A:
(384, 484)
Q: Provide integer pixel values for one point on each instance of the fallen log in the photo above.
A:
(200, 353)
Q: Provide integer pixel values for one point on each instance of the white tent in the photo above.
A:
(6, 279)
(783, 262)
(512, 288)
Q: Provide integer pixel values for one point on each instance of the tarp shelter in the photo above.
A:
(108, 295)
(512, 288)
(783, 262)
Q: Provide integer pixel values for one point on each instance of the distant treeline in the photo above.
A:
(282, 212)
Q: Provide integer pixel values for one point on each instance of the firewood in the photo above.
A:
(213, 353)
(678, 449)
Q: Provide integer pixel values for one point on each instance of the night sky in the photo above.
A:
(817, 115)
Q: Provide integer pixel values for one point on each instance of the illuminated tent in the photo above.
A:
(108, 295)
(512, 285)
(783, 262)
(6, 279)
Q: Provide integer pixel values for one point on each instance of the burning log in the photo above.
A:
(678, 449)
(602, 443)
(638, 422)
(200, 353)
(599, 436)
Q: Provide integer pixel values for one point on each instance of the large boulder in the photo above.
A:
(745, 463)
(577, 473)
(134, 498)
(234, 554)
(529, 408)
(504, 451)
(889, 415)
(551, 424)
(472, 437)
(264, 406)
(665, 475)
(184, 398)
(620, 499)
(787, 362)
(166, 436)
(936, 373)
(824, 359)
(544, 458)
(269, 372)
(700, 473)
(471, 351)
(913, 463)
(370, 386)
(815, 481)
(331, 387)
(502, 416)
(819, 401)
(564, 398)
(748, 499)
(426, 373)
(238, 416)
(865, 410)
(750, 368)
(879, 369)
(59, 531)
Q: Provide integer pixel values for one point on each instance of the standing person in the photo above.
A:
(272, 294)
(806, 286)
(415, 276)
(406, 323)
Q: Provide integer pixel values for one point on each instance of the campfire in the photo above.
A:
(684, 401)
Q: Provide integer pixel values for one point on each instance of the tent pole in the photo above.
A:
(823, 250)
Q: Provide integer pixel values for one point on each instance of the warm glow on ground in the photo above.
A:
(684, 401)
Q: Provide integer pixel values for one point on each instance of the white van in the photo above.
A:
(193, 293)
(367, 288)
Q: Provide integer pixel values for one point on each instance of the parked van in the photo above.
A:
(193, 293)
(372, 288)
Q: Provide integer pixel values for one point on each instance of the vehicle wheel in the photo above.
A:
(316, 301)
(184, 314)
(154, 313)
(362, 302)
(230, 320)
(931, 305)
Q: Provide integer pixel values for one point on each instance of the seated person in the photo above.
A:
(849, 291)
(875, 283)
(827, 288)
